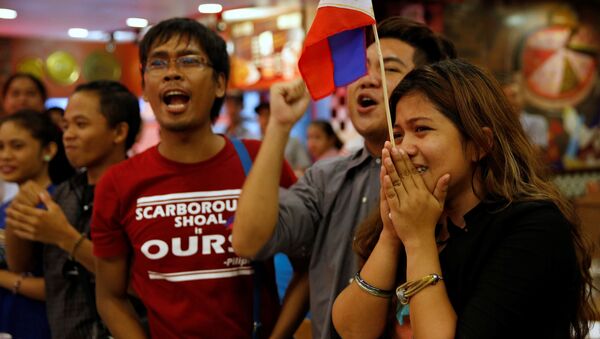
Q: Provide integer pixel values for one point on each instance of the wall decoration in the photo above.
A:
(62, 68)
(559, 66)
(101, 65)
(33, 66)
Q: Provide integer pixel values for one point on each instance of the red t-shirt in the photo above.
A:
(174, 219)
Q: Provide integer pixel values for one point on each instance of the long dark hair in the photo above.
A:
(42, 129)
(510, 172)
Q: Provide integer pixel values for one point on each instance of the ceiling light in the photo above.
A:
(210, 8)
(124, 36)
(78, 33)
(6, 13)
(137, 22)
(98, 36)
(250, 13)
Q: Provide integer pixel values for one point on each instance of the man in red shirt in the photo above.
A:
(161, 221)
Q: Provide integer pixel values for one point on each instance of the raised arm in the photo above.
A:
(414, 212)
(379, 271)
(251, 230)
(112, 281)
(411, 211)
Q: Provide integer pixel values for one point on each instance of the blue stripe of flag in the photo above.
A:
(348, 54)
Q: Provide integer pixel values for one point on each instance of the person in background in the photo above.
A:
(101, 123)
(162, 219)
(63, 170)
(534, 125)
(20, 91)
(295, 152)
(322, 141)
(23, 91)
(56, 114)
(316, 218)
(234, 104)
(28, 144)
(471, 235)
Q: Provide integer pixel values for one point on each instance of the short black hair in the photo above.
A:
(55, 109)
(117, 104)
(42, 129)
(184, 28)
(429, 46)
(38, 84)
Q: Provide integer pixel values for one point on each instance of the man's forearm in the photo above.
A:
(294, 308)
(120, 317)
(258, 207)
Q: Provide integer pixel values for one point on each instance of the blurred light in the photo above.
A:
(124, 36)
(137, 22)
(210, 8)
(251, 13)
(515, 20)
(6, 13)
(265, 43)
(230, 47)
(289, 21)
(98, 36)
(242, 29)
(78, 33)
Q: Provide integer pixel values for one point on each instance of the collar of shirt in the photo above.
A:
(360, 157)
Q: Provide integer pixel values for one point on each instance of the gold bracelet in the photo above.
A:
(76, 245)
(410, 288)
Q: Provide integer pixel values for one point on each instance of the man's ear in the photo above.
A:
(489, 143)
(220, 86)
(121, 131)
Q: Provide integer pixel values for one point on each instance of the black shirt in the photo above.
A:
(512, 272)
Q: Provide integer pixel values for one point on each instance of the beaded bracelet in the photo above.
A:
(410, 288)
(372, 290)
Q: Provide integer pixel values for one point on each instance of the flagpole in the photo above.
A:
(384, 85)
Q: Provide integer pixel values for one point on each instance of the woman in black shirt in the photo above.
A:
(473, 239)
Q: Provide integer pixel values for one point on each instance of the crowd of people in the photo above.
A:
(449, 230)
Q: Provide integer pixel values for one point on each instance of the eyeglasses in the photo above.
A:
(182, 62)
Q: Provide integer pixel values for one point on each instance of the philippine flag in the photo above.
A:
(334, 51)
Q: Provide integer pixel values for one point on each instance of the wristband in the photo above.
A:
(77, 244)
(372, 290)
